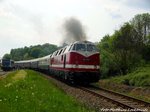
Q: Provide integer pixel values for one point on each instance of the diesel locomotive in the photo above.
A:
(7, 64)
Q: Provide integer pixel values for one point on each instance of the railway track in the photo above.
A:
(2, 73)
(120, 100)
(102, 99)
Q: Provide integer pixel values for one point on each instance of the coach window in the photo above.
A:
(56, 53)
(64, 50)
(70, 47)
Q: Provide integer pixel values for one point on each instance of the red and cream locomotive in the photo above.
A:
(77, 62)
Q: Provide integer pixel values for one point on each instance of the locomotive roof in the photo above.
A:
(82, 42)
(33, 60)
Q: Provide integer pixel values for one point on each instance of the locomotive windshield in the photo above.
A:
(91, 47)
(5, 62)
(80, 47)
(84, 47)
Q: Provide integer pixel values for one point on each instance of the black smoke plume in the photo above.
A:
(74, 31)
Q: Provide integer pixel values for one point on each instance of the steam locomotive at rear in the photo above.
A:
(77, 62)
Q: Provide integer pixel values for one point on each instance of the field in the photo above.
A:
(28, 91)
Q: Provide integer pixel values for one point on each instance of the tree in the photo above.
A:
(109, 66)
(31, 52)
(125, 49)
(141, 24)
(35, 52)
(7, 56)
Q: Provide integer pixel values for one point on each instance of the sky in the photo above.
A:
(32, 22)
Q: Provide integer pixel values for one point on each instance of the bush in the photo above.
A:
(140, 77)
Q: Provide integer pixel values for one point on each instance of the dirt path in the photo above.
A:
(20, 75)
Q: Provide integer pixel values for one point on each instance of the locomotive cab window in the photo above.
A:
(91, 47)
(60, 51)
(84, 47)
(64, 50)
(79, 47)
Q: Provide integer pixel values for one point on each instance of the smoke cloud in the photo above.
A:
(74, 31)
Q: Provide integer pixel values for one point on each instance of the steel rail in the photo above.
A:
(114, 100)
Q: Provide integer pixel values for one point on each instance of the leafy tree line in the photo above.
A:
(31, 52)
(127, 48)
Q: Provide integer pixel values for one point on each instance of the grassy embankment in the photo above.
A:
(27, 91)
(135, 84)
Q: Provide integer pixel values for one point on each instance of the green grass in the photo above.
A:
(27, 91)
(140, 77)
(135, 84)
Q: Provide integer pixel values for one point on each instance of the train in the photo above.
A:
(7, 64)
(78, 62)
